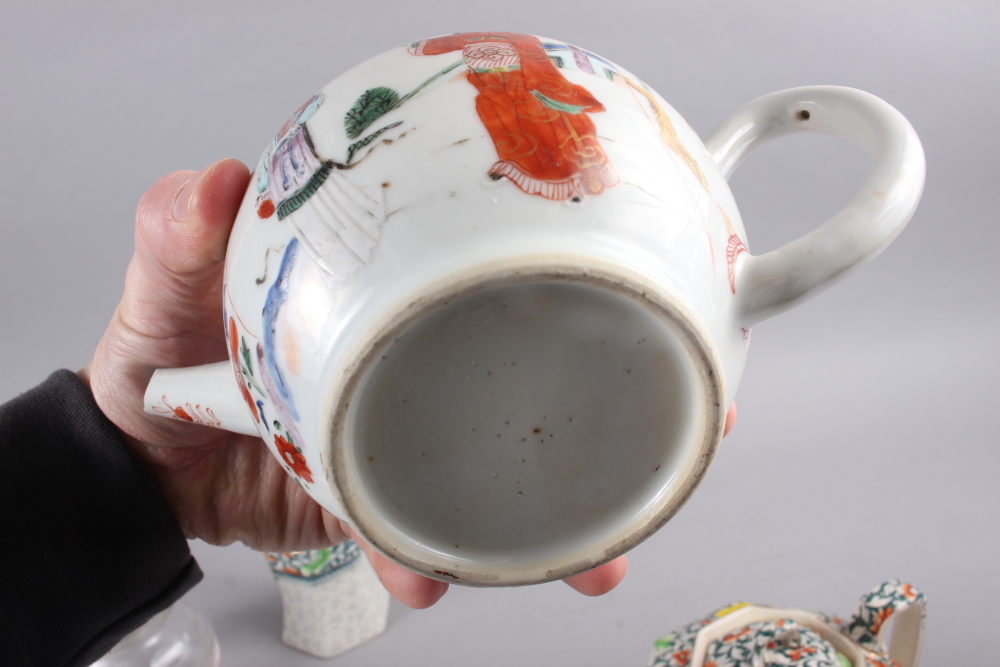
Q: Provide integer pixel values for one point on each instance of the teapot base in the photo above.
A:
(526, 427)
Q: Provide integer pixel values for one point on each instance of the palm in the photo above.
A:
(222, 486)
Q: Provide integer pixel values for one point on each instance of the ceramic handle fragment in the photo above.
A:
(784, 278)
(200, 395)
(903, 605)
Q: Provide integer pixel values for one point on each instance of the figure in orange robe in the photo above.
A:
(538, 120)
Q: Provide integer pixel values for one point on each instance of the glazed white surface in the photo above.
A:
(890, 374)
(445, 216)
(421, 206)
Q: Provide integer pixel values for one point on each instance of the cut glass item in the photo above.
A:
(176, 637)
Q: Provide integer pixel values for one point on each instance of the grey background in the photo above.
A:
(865, 446)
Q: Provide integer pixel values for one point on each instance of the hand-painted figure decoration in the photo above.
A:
(529, 174)
(337, 222)
(538, 120)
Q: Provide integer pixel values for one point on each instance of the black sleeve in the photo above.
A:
(89, 548)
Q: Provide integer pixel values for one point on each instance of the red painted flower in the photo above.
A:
(293, 458)
(682, 657)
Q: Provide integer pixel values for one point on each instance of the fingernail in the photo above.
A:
(183, 199)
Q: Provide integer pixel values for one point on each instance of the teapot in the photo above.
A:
(747, 635)
(488, 297)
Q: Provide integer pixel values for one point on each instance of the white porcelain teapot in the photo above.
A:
(489, 297)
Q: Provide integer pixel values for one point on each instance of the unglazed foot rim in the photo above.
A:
(549, 268)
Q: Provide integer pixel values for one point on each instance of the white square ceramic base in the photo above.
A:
(334, 613)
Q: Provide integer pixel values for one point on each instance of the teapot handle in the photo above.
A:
(774, 282)
(897, 601)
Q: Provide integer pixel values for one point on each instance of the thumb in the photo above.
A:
(601, 579)
(170, 314)
(182, 228)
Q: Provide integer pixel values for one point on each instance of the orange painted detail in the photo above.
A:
(234, 340)
(234, 349)
(735, 635)
(733, 250)
(265, 209)
(293, 458)
(538, 120)
(880, 617)
(879, 661)
(194, 414)
(798, 653)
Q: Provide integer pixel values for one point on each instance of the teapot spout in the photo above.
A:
(201, 395)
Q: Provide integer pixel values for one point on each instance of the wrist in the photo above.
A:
(84, 375)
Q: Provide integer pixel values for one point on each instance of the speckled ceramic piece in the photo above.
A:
(746, 635)
(489, 297)
(332, 600)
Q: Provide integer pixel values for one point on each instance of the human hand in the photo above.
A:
(222, 486)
